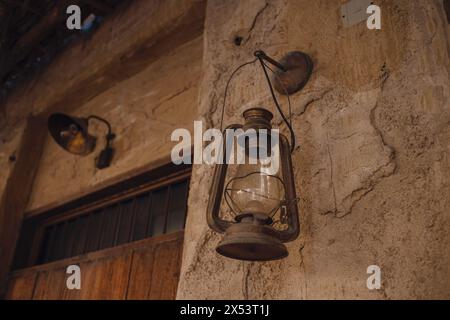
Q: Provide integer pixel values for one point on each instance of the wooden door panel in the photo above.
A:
(141, 273)
(102, 279)
(21, 287)
(146, 269)
(50, 284)
(105, 279)
(155, 271)
(165, 271)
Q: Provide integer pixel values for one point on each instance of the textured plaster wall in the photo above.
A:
(144, 101)
(143, 112)
(372, 166)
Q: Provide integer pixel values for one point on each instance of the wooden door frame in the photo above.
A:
(17, 192)
(157, 178)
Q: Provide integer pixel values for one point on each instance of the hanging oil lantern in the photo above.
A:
(263, 203)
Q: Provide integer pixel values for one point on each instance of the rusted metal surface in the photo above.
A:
(298, 67)
(252, 239)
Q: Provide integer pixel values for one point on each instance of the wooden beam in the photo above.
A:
(24, 6)
(180, 31)
(32, 38)
(131, 57)
(17, 192)
(447, 9)
(100, 5)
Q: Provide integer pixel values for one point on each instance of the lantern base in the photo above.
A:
(252, 241)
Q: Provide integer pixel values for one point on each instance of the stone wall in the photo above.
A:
(372, 164)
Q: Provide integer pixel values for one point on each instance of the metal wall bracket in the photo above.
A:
(292, 73)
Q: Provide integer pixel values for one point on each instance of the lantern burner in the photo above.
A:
(252, 239)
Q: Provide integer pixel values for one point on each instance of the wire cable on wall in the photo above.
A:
(274, 98)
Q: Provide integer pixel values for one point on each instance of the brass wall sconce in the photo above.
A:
(71, 133)
(256, 199)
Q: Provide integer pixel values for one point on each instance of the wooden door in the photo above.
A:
(145, 269)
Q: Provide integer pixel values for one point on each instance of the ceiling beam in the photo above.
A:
(47, 24)
(33, 37)
(100, 5)
(135, 56)
(24, 6)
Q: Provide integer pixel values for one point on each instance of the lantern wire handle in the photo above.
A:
(285, 92)
(228, 83)
(288, 124)
(260, 55)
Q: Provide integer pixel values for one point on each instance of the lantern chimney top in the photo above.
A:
(257, 118)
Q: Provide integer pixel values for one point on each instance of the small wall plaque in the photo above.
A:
(354, 12)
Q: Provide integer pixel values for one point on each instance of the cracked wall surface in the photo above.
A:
(372, 162)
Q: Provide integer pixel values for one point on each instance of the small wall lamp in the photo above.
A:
(71, 133)
(258, 199)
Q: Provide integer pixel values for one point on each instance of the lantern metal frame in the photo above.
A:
(217, 190)
(249, 237)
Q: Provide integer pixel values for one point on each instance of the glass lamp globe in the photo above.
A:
(255, 189)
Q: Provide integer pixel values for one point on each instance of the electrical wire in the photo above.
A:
(285, 92)
(274, 98)
(288, 124)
